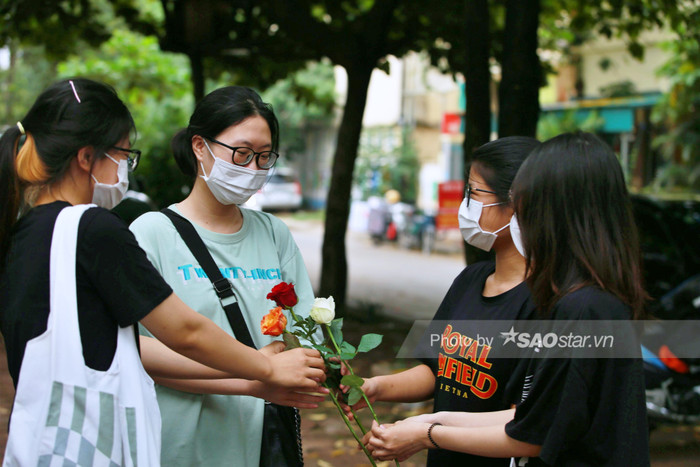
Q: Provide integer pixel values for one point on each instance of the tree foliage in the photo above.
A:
(27, 74)
(389, 161)
(64, 26)
(357, 35)
(302, 98)
(678, 113)
(155, 86)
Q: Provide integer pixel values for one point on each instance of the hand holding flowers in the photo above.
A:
(334, 350)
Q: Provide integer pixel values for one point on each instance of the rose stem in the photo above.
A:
(347, 365)
(347, 423)
(364, 396)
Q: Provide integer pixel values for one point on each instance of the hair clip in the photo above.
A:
(74, 91)
(21, 128)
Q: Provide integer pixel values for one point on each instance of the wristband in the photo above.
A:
(430, 437)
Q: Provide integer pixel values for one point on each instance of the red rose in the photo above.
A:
(273, 323)
(283, 295)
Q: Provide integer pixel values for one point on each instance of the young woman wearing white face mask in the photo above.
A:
(228, 149)
(490, 290)
(71, 149)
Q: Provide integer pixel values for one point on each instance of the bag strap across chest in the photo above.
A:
(222, 285)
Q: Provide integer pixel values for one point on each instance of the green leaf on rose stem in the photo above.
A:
(335, 366)
(323, 349)
(347, 347)
(291, 341)
(353, 381)
(336, 328)
(347, 356)
(354, 396)
(369, 342)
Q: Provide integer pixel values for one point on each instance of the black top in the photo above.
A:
(117, 285)
(584, 411)
(470, 377)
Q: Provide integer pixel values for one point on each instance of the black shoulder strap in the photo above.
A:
(222, 285)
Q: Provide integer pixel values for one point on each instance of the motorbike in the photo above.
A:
(402, 223)
(671, 358)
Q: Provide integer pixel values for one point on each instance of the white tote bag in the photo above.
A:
(66, 413)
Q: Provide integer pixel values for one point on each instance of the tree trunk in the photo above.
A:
(477, 76)
(334, 262)
(10, 81)
(518, 93)
(197, 67)
(643, 171)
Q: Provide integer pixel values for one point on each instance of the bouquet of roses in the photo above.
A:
(334, 350)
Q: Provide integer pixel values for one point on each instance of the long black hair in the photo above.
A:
(67, 116)
(576, 222)
(215, 113)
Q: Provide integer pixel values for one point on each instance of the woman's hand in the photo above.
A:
(288, 397)
(371, 390)
(399, 440)
(428, 418)
(273, 348)
(300, 369)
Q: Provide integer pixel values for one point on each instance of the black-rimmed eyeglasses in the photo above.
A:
(242, 155)
(133, 157)
(468, 192)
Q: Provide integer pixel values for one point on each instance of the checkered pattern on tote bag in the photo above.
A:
(66, 414)
(84, 422)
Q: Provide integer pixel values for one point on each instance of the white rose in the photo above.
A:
(323, 310)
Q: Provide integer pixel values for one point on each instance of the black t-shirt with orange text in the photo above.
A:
(469, 375)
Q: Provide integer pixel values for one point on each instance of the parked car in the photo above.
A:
(282, 192)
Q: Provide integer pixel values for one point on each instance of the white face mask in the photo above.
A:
(108, 196)
(516, 236)
(469, 225)
(230, 183)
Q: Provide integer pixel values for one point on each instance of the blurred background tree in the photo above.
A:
(678, 113)
(554, 124)
(382, 167)
(302, 98)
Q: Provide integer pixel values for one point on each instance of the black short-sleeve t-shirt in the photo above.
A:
(116, 283)
(584, 411)
(470, 377)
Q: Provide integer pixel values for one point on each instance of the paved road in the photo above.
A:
(404, 284)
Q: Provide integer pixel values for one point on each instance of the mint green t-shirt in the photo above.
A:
(206, 429)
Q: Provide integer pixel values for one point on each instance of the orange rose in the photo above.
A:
(273, 323)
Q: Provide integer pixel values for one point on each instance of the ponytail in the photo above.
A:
(10, 191)
(30, 167)
(181, 146)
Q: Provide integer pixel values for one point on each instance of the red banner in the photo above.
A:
(451, 124)
(450, 196)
